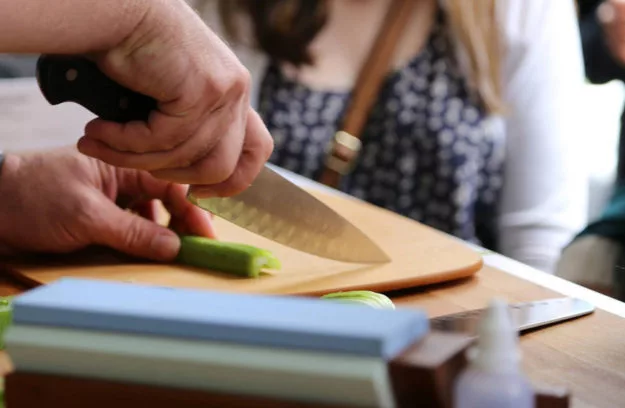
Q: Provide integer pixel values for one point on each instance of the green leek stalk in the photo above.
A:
(229, 257)
(6, 316)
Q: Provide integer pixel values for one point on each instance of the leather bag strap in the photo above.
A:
(346, 144)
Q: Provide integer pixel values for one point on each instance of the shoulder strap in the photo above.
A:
(346, 143)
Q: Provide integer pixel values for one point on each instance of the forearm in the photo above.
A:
(68, 26)
(8, 166)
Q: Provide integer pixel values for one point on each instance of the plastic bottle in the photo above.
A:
(493, 377)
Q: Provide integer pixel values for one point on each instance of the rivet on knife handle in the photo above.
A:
(64, 78)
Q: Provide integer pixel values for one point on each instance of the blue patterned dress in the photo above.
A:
(428, 151)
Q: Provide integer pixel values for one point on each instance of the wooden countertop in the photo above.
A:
(586, 355)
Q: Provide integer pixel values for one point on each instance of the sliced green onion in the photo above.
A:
(6, 316)
(366, 297)
(229, 257)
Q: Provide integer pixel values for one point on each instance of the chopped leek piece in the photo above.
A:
(366, 297)
(230, 257)
(6, 316)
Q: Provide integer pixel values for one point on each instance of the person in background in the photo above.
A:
(596, 257)
(474, 130)
(602, 30)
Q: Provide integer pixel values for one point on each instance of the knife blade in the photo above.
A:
(272, 206)
(525, 316)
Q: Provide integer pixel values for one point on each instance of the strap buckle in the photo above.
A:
(343, 152)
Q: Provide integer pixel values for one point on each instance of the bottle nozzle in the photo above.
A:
(497, 343)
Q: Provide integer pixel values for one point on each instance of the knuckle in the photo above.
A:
(233, 186)
(243, 81)
(234, 84)
(267, 146)
(241, 182)
(225, 169)
(213, 171)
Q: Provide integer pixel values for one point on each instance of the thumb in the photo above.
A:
(135, 235)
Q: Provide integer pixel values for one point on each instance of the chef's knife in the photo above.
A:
(525, 316)
(272, 206)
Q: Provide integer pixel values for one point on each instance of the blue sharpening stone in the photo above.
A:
(263, 320)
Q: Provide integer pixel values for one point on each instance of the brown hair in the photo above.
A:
(284, 30)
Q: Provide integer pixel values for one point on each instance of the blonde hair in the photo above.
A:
(474, 24)
(285, 28)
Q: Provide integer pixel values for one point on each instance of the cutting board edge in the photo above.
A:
(468, 263)
(400, 284)
(406, 284)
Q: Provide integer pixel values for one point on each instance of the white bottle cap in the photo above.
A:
(497, 344)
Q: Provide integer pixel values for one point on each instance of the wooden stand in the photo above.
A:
(425, 372)
(422, 376)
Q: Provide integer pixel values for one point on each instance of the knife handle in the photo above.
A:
(64, 78)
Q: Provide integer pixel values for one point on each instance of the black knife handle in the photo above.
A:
(64, 78)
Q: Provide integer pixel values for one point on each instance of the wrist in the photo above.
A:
(146, 21)
(162, 48)
(68, 27)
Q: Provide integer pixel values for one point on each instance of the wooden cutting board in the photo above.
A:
(420, 256)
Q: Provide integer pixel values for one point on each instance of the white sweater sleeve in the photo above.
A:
(544, 200)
